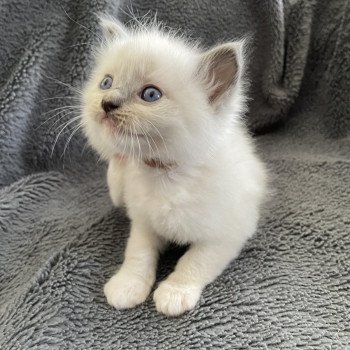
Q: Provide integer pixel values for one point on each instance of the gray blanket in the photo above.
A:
(60, 237)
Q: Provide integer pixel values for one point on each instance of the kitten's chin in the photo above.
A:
(108, 123)
(109, 141)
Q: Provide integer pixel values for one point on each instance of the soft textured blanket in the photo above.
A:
(60, 237)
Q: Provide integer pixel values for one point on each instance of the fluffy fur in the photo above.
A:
(208, 185)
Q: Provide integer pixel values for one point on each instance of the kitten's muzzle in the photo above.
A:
(109, 106)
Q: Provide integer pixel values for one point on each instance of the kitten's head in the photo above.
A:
(152, 95)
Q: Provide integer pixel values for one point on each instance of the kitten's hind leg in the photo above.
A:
(200, 265)
(115, 180)
(132, 284)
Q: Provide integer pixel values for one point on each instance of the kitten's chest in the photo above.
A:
(169, 206)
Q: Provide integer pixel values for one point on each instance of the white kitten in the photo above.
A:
(166, 116)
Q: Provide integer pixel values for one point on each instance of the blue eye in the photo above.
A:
(151, 94)
(106, 83)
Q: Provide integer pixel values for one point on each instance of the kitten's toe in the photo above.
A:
(124, 291)
(173, 300)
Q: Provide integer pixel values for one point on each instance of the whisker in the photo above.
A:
(151, 150)
(83, 150)
(138, 142)
(64, 127)
(55, 115)
(61, 127)
(81, 25)
(132, 143)
(99, 159)
(120, 140)
(75, 89)
(146, 134)
(80, 125)
(60, 97)
(60, 108)
(124, 141)
(152, 139)
(65, 115)
(161, 136)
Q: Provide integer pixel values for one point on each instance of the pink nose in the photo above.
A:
(109, 106)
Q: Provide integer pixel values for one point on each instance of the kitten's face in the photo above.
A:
(147, 98)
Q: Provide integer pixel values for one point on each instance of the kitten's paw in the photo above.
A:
(173, 300)
(124, 291)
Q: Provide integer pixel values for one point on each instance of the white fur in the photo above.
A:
(210, 196)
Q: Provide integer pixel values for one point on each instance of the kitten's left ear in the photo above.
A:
(219, 70)
(112, 28)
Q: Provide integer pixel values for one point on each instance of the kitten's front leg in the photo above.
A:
(115, 180)
(200, 265)
(132, 283)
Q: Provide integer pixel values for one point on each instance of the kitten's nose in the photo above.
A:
(109, 106)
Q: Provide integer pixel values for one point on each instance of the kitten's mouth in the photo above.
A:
(117, 128)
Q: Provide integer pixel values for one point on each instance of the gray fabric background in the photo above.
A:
(60, 237)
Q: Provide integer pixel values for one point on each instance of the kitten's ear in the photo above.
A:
(219, 70)
(112, 28)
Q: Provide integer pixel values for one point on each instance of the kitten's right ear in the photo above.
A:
(112, 29)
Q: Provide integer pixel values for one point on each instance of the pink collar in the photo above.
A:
(152, 163)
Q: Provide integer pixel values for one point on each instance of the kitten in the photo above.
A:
(167, 117)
